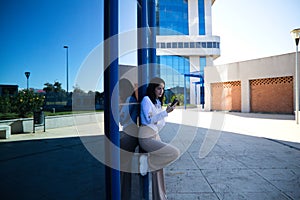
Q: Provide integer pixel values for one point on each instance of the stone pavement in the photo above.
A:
(224, 156)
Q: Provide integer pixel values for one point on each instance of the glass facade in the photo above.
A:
(201, 12)
(202, 64)
(172, 70)
(172, 17)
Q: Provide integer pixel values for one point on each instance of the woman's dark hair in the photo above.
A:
(155, 82)
(126, 89)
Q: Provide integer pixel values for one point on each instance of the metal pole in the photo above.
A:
(27, 74)
(67, 70)
(67, 66)
(297, 83)
(111, 102)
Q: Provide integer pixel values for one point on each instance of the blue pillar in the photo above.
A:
(152, 38)
(184, 92)
(142, 50)
(142, 70)
(111, 103)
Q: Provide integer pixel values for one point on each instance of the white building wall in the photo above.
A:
(269, 67)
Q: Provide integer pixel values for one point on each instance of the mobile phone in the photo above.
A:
(174, 102)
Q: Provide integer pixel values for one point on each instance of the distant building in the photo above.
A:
(260, 85)
(8, 90)
(185, 43)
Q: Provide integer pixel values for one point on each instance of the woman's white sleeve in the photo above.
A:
(149, 116)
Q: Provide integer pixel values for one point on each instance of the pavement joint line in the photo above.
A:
(282, 192)
(212, 189)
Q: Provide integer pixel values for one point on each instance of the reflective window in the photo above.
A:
(201, 11)
(172, 70)
(188, 45)
(209, 44)
(202, 64)
(172, 17)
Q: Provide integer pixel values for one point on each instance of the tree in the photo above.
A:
(56, 87)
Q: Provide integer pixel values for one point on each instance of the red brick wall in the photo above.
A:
(273, 95)
(226, 96)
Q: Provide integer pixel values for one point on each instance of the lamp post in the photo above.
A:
(27, 74)
(67, 66)
(296, 35)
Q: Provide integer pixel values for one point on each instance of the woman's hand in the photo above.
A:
(170, 108)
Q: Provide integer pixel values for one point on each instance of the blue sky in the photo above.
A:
(33, 33)
(254, 28)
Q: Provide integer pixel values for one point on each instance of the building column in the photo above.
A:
(193, 17)
(245, 96)
(208, 23)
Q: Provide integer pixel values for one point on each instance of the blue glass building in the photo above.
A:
(185, 44)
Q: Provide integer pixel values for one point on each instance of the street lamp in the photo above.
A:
(67, 63)
(296, 35)
(27, 74)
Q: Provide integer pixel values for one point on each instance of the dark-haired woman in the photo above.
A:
(129, 134)
(159, 154)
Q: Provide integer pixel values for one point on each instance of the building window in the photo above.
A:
(201, 11)
(202, 64)
(172, 17)
(180, 45)
(186, 45)
(209, 44)
(174, 44)
(172, 70)
(214, 45)
(169, 45)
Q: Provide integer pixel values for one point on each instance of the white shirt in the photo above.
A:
(128, 113)
(152, 115)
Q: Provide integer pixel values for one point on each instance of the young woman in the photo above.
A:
(129, 134)
(160, 154)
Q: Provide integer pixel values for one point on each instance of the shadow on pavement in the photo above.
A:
(50, 169)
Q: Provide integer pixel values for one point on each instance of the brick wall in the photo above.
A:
(273, 95)
(226, 96)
